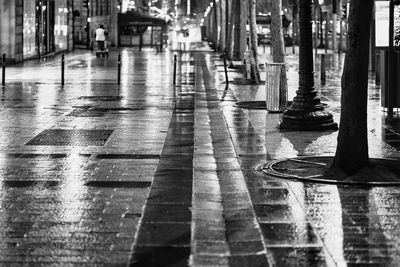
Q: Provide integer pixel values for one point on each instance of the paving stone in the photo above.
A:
(210, 260)
(249, 260)
(164, 234)
(303, 256)
(246, 247)
(167, 213)
(289, 234)
(210, 248)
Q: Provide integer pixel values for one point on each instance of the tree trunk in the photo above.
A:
(340, 13)
(215, 26)
(334, 25)
(229, 38)
(227, 13)
(253, 42)
(222, 28)
(239, 45)
(352, 148)
(277, 32)
(278, 42)
(295, 24)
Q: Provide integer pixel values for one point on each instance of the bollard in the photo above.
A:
(225, 68)
(378, 70)
(62, 69)
(293, 49)
(323, 72)
(119, 69)
(174, 78)
(3, 79)
(264, 47)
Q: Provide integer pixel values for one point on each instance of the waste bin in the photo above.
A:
(276, 87)
(247, 64)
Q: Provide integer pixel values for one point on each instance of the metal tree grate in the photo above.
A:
(86, 113)
(75, 137)
(101, 98)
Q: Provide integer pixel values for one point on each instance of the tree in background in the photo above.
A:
(223, 19)
(239, 35)
(278, 45)
(255, 70)
(277, 32)
(233, 6)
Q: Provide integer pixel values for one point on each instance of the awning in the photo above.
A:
(136, 19)
(266, 19)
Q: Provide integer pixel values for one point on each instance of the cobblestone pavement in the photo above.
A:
(145, 174)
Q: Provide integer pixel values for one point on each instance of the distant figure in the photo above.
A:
(157, 39)
(100, 36)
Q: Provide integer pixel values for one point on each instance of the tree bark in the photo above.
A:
(222, 28)
(277, 32)
(253, 42)
(295, 23)
(215, 25)
(278, 42)
(352, 148)
(239, 45)
(229, 38)
(227, 13)
(334, 25)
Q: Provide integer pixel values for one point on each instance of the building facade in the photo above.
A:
(37, 28)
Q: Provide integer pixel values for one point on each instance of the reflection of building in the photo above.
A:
(33, 28)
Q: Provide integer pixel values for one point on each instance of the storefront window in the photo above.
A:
(61, 25)
(30, 46)
(7, 27)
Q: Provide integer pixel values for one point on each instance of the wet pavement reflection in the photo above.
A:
(311, 224)
(74, 194)
(143, 173)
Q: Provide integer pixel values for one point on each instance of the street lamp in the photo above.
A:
(321, 36)
(306, 112)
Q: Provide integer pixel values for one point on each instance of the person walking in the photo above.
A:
(100, 35)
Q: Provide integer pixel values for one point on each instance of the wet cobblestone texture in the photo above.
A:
(145, 174)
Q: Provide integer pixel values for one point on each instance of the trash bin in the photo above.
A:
(275, 85)
(247, 64)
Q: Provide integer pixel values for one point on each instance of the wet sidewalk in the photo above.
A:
(311, 224)
(77, 161)
(147, 174)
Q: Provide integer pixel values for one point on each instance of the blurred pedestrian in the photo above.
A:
(100, 36)
(157, 43)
